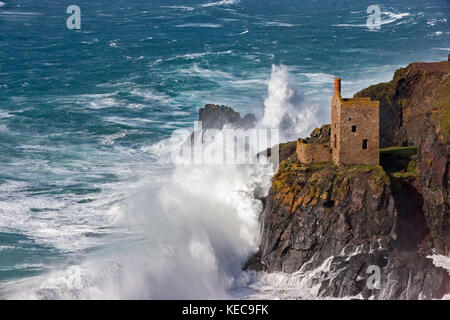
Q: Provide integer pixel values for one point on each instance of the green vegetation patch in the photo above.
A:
(350, 172)
(289, 169)
(441, 106)
(400, 151)
(399, 162)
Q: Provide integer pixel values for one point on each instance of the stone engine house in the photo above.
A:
(354, 136)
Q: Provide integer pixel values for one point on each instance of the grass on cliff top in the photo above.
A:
(353, 170)
(410, 172)
(401, 151)
(289, 169)
(291, 165)
(399, 162)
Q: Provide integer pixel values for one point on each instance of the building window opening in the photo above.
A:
(353, 128)
(364, 144)
(335, 141)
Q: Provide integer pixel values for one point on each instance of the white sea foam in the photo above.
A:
(433, 21)
(319, 79)
(29, 266)
(5, 114)
(192, 56)
(387, 17)
(179, 7)
(19, 13)
(199, 25)
(277, 24)
(151, 95)
(60, 223)
(214, 75)
(102, 103)
(95, 40)
(92, 101)
(196, 231)
(134, 122)
(278, 285)
(441, 261)
(220, 3)
(250, 83)
(111, 139)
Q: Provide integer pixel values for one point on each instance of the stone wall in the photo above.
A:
(313, 152)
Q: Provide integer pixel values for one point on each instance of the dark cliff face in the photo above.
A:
(336, 222)
(415, 110)
(319, 210)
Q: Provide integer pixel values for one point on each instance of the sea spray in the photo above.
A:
(189, 235)
(285, 107)
(192, 235)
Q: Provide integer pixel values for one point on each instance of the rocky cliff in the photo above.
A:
(415, 110)
(338, 221)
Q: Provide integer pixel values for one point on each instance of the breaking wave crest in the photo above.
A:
(285, 106)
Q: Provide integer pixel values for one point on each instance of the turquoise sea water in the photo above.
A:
(84, 114)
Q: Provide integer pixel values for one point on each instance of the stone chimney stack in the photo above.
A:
(337, 86)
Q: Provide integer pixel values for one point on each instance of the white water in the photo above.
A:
(220, 3)
(188, 235)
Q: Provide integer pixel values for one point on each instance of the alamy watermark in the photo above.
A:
(374, 280)
(374, 20)
(227, 146)
(74, 20)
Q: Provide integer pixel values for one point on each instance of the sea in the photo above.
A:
(92, 205)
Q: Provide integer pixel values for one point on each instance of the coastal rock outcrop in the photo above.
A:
(340, 221)
(319, 210)
(216, 117)
(333, 223)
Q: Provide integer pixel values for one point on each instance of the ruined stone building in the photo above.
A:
(354, 133)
